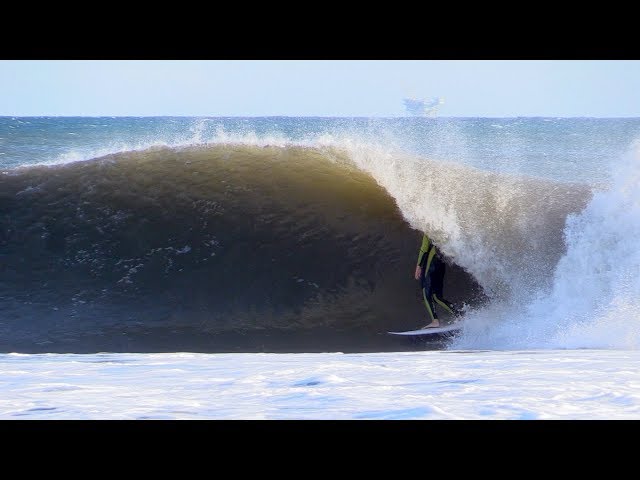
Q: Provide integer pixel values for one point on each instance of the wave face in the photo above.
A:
(196, 248)
(302, 234)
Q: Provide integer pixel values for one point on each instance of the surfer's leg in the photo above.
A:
(437, 283)
(447, 305)
(427, 296)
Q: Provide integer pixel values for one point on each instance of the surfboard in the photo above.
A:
(432, 331)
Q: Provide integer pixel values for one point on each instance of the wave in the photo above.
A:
(251, 246)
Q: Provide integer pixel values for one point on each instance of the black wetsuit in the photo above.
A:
(432, 278)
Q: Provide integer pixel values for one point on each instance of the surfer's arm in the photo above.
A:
(422, 256)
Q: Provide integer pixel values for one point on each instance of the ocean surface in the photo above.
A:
(426, 385)
(163, 240)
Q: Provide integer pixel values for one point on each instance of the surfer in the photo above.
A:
(430, 271)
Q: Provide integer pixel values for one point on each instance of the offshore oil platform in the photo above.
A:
(416, 107)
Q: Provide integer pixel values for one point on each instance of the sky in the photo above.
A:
(428, 385)
(469, 88)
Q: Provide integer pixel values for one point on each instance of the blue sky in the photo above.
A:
(490, 88)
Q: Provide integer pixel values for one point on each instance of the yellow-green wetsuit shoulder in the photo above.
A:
(424, 248)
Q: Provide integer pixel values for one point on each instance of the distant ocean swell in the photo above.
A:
(233, 246)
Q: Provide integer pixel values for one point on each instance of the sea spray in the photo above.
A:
(592, 301)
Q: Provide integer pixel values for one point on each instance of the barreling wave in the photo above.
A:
(238, 247)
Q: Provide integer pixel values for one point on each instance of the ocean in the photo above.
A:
(277, 240)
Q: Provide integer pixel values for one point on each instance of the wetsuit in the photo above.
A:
(432, 278)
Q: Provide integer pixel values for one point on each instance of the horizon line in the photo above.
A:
(316, 116)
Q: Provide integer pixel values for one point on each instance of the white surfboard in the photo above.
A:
(431, 331)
